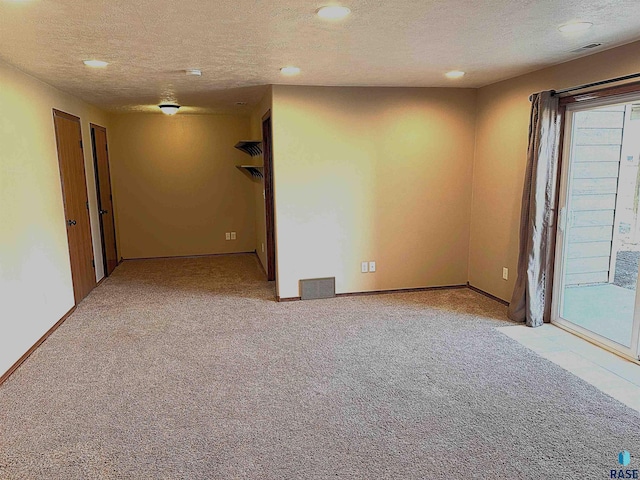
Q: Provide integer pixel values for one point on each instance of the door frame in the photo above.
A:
(269, 197)
(92, 127)
(568, 108)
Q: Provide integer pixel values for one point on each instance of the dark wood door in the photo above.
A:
(105, 205)
(268, 194)
(76, 204)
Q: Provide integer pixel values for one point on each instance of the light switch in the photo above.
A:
(364, 267)
(233, 235)
(505, 273)
(227, 236)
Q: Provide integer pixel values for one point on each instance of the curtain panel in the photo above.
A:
(531, 300)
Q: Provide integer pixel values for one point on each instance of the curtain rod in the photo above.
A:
(595, 84)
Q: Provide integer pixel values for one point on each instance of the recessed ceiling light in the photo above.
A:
(193, 72)
(95, 63)
(333, 12)
(169, 108)
(575, 27)
(454, 74)
(290, 71)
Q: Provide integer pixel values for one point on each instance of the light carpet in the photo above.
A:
(187, 369)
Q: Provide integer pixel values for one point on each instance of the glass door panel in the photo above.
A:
(598, 253)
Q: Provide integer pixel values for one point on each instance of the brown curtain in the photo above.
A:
(531, 300)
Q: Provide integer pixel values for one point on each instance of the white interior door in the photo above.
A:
(598, 246)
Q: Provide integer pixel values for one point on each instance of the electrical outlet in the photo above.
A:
(233, 235)
(505, 273)
(263, 247)
(364, 267)
(227, 236)
(372, 266)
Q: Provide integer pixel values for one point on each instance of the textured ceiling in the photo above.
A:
(240, 45)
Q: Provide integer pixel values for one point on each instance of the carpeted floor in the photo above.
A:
(187, 369)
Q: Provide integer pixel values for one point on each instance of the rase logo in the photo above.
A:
(624, 459)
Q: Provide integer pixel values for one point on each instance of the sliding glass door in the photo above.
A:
(598, 245)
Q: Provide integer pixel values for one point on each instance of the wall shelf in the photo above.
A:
(254, 149)
(250, 147)
(254, 170)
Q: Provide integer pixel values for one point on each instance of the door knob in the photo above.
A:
(103, 212)
(71, 222)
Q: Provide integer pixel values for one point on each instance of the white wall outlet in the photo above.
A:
(233, 235)
(372, 266)
(505, 273)
(263, 247)
(364, 267)
(227, 236)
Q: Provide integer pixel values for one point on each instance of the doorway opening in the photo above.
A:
(105, 198)
(267, 148)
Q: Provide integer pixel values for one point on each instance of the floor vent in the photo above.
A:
(314, 288)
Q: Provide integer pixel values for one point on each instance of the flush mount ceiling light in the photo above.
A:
(290, 71)
(193, 72)
(574, 27)
(169, 108)
(95, 63)
(333, 12)
(454, 74)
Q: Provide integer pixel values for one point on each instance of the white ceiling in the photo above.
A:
(240, 45)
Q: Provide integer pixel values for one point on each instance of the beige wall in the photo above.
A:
(176, 186)
(500, 159)
(35, 274)
(378, 174)
(256, 134)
